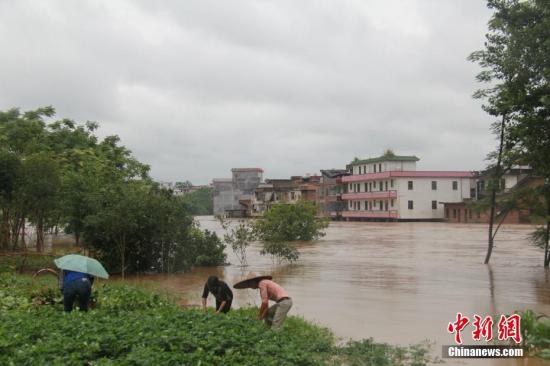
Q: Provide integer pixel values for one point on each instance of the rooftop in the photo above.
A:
(385, 157)
(260, 170)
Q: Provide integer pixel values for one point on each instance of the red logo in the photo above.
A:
(509, 327)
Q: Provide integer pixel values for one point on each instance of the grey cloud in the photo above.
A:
(195, 88)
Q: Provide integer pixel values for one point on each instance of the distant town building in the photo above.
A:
(390, 188)
(330, 193)
(514, 178)
(284, 191)
(233, 196)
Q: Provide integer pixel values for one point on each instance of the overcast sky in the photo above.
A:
(195, 88)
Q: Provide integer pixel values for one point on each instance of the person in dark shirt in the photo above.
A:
(222, 293)
(76, 285)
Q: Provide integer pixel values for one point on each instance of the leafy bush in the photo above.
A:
(25, 263)
(535, 332)
(291, 222)
(206, 248)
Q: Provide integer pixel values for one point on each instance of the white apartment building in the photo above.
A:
(389, 187)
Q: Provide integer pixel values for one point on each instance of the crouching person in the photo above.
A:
(275, 314)
(76, 285)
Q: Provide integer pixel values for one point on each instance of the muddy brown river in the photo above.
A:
(396, 282)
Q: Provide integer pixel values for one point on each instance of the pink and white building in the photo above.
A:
(390, 188)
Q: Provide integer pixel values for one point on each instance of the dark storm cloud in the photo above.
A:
(195, 88)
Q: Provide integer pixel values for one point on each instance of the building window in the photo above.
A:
(350, 204)
(370, 205)
(447, 213)
(392, 203)
(386, 205)
(391, 183)
(374, 185)
(365, 187)
(375, 168)
(454, 213)
(386, 185)
(455, 185)
(366, 206)
(380, 167)
(410, 185)
(434, 205)
(434, 185)
(411, 205)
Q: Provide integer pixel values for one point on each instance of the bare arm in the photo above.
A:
(222, 306)
(204, 303)
(263, 310)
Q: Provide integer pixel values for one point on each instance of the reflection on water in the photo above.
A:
(395, 282)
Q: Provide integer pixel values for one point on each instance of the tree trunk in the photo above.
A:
(547, 238)
(40, 234)
(123, 254)
(495, 182)
(23, 239)
(5, 230)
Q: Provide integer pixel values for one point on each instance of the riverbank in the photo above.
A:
(135, 326)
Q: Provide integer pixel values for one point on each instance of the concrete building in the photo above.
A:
(330, 193)
(390, 188)
(233, 196)
(512, 179)
(284, 191)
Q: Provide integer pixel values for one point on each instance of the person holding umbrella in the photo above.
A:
(275, 314)
(78, 276)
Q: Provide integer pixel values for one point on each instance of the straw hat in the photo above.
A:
(249, 280)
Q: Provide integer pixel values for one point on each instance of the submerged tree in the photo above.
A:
(516, 63)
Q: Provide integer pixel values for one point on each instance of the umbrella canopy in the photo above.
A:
(80, 263)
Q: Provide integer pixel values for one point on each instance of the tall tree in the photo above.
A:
(516, 63)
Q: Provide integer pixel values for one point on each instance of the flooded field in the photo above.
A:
(396, 282)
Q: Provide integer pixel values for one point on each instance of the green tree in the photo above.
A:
(239, 238)
(516, 66)
(286, 223)
(200, 202)
(39, 192)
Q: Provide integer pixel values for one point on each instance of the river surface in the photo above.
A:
(396, 282)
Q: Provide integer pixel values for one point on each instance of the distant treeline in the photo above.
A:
(200, 202)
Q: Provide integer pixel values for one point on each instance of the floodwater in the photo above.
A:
(396, 282)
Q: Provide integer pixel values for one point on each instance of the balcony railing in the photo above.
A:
(369, 195)
(371, 214)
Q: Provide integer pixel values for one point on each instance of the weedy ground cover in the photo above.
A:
(134, 326)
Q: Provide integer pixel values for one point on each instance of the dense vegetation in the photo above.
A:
(130, 326)
(59, 174)
(516, 70)
(200, 202)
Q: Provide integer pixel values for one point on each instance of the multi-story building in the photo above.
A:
(284, 191)
(233, 196)
(390, 188)
(468, 211)
(330, 192)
